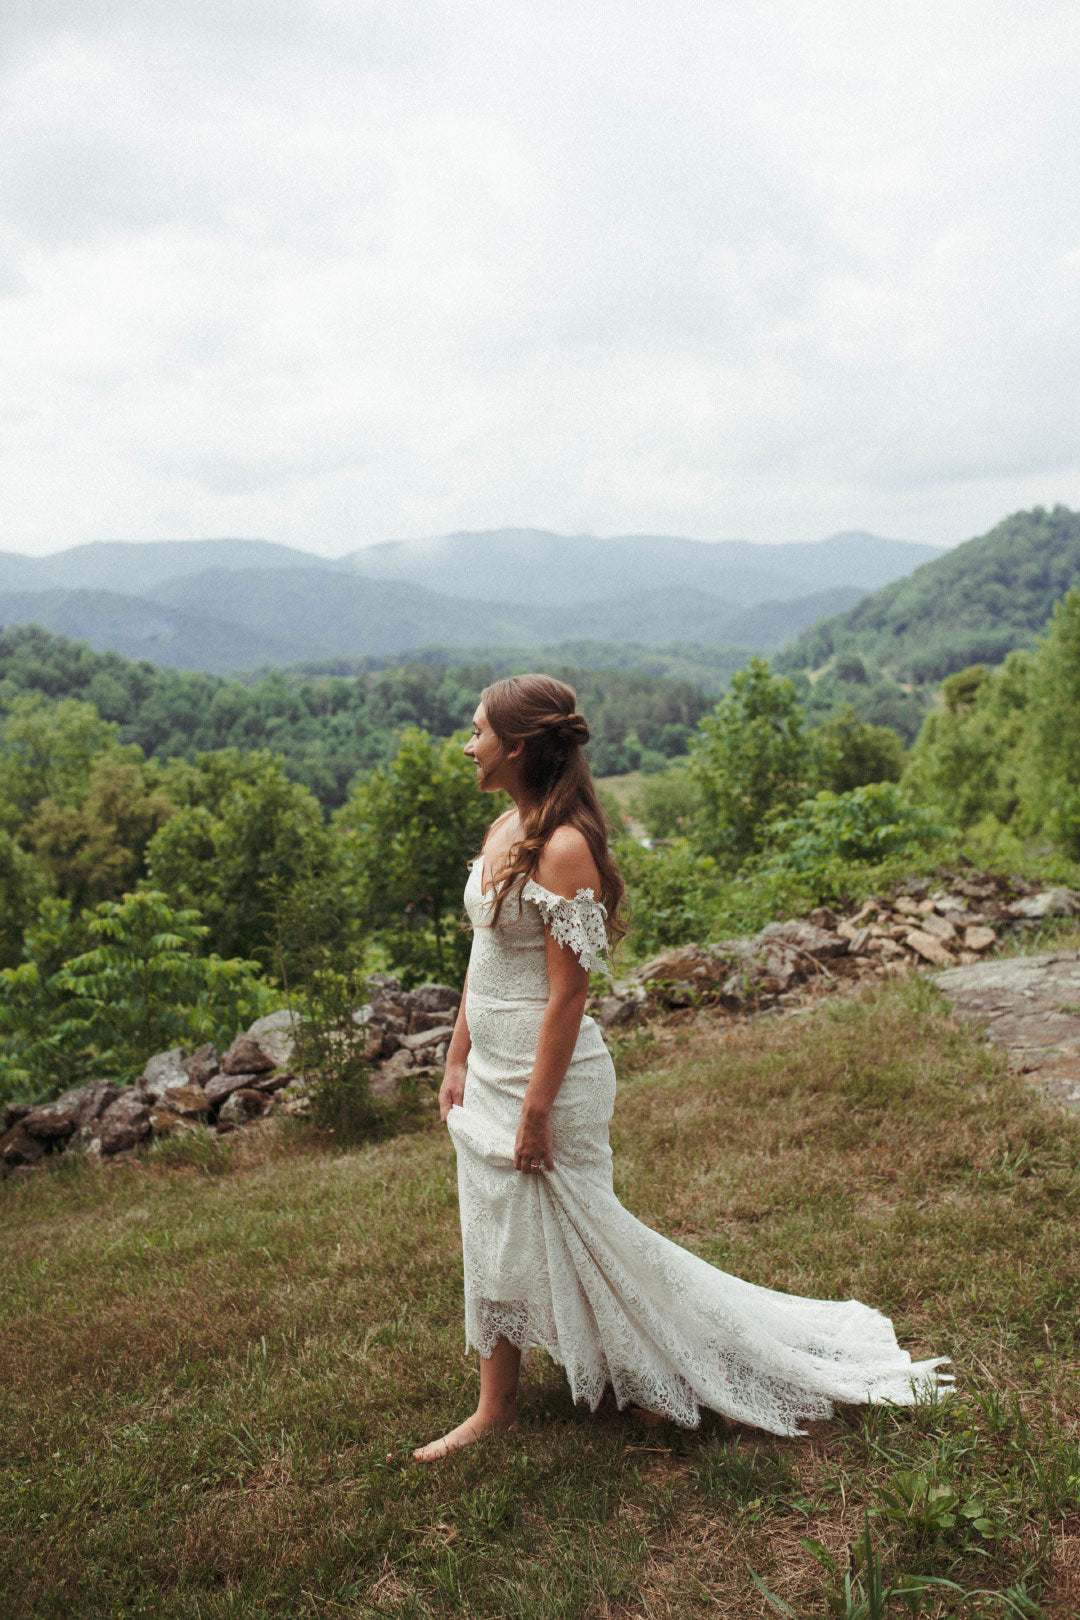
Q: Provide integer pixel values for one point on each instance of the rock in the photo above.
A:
(202, 1065)
(163, 1121)
(433, 998)
(823, 917)
(246, 1056)
(611, 1011)
(940, 927)
(906, 906)
(277, 1034)
(13, 1113)
(421, 1020)
(363, 1015)
(271, 1083)
(191, 1102)
(163, 1070)
(929, 948)
(948, 903)
(979, 939)
(1047, 903)
(805, 936)
(1031, 1006)
(846, 929)
(223, 1085)
(89, 1102)
(427, 1037)
(690, 968)
(379, 1043)
(397, 1067)
(18, 1147)
(858, 941)
(52, 1122)
(925, 907)
(243, 1105)
(123, 1124)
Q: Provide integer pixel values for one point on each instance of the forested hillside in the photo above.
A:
(329, 727)
(973, 605)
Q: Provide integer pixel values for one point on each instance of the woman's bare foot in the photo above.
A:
(475, 1428)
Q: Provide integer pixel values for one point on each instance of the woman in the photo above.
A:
(551, 1256)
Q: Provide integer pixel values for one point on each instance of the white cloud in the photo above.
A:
(334, 272)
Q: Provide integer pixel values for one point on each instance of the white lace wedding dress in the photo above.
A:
(554, 1259)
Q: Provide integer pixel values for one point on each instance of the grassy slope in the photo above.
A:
(213, 1380)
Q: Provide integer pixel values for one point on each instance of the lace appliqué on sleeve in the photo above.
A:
(577, 923)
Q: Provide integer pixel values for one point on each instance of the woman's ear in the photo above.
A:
(514, 752)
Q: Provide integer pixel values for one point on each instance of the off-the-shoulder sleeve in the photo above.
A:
(577, 923)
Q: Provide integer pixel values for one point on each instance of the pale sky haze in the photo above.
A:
(330, 272)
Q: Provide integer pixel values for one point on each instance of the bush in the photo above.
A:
(869, 824)
(99, 994)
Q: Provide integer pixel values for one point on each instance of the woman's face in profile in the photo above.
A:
(485, 749)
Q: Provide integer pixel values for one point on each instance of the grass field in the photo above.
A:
(214, 1368)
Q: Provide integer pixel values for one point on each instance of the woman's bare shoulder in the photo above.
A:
(566, 863)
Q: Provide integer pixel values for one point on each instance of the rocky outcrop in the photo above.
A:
(1031, 1006)
(918, 926)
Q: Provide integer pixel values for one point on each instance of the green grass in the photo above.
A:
(214, 1365)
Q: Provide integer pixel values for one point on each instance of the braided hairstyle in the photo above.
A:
(541, 712)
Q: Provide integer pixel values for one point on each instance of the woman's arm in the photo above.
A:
(452, 1090)
(565, 867)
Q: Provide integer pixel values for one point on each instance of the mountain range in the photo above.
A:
(233, 604)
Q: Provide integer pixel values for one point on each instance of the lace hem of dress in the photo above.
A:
(768, 1402)
(577, 923)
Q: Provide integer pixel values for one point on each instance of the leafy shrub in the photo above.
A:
(138, 985)
(868, 824)
(671, 893)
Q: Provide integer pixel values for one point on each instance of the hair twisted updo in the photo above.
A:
(541, 713)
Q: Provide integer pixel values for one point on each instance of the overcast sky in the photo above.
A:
(331, 272)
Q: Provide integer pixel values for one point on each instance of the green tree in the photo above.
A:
(96, 850)
(1051, 780)
(752, 759)
(408, 831)
(258, 837)
(853, 752)
(23, 886)
(966, 763)
(48, 750)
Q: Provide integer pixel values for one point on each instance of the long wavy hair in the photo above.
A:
(541, 713)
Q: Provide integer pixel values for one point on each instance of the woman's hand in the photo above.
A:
(532, 1146)
(452, 1090)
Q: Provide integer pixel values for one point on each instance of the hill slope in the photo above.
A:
(972, 605)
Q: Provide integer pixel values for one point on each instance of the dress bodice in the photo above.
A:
(508, 960)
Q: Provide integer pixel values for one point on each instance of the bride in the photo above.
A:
(551, 1256)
